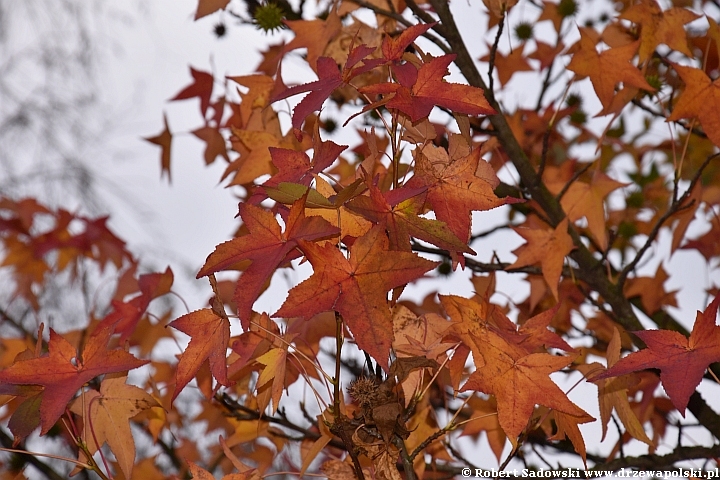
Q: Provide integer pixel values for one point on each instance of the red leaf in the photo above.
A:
(430, 89)
(62, 371)
(402, 220)
(393, 48)
(266, 247)
(682, 361)
(202, 87)
(329, 78)
(164, 140)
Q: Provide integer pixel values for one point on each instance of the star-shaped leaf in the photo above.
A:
(418, 91)
(209, 337)
(266, 247)
(701, 99)
(397, 213)
(658, 27)
(606, 69)
(586, 200)
(313, 35)
(682, 361)
(201, 87)
(107, 413)
(519, 381)
(63, 371)
(546, 247)
(613, 394)
(456, 187)
(164, 141)
(356, 288)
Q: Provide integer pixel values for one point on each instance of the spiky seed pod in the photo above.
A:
(567, 8)
(269, 17)
(524, 31)
(363, 391)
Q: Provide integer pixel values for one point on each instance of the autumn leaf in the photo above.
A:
(253, 146)
(586, 200)
(567, 427)
(456, 187)
(658, 27)
(682, 361)
(214, 143)
(606, 69)
(351, 225)
(651, 291)
(62, 371)
(393, 48)
(209, 338)
(124, 316)
(313, 35)
(508, 65)
(206, 7)
(356, 288)
(519, 381)
(397, 213)
(537, 335)
(201, 87)
(329, 78)
(547, 247)
(106, 416)
(274, 371)
(295, 167)
(700, 99)
(613, 393)
(163, 140)
(266, 247)
(418, 91)
(484, 418)
(200, 473)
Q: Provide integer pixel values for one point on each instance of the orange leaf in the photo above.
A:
(356, 288)
(206, 7)
(701, 99)
(508, 65)
(613, 393)
(397, 212)
(519, 382)
(210, 335)
(456, 187)
(274, 361)
(658, 27)
(547, 247)
(608, 68)
(314, 35)
(214, 143)
(586, 200)
(418, 91)
(106, 417)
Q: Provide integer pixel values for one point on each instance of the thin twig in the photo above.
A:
(572, 180)
(493, 52)
(674, 208)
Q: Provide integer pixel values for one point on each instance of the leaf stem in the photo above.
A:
(338, 351)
